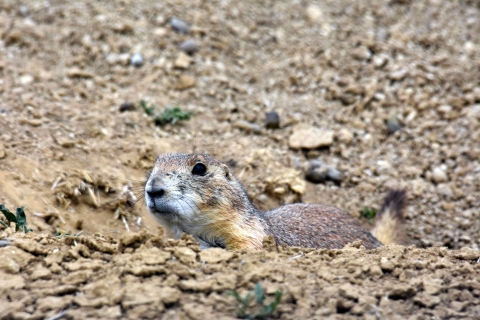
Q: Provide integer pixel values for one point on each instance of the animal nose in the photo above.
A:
(156, 192)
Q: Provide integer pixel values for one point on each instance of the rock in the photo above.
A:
(189, 46)
(4, 243)
(310, 137)
(127, 106)
(398, 74)
(361, 53)
(345, 136)
(185, 82)
(380, 61)
(31, 122)
(179, 25)
(272, 120)
(445, 111)
(26, 79)
(334, 175)
(439, 175)
(160, 20)
(3, 153)
(382, 166)
(66, 143)
(79, 73)
(23, 10)
(314, 13)
(247, 126)
(113, 58)
(183, 61)
(319, 172)
(392, 124)
(316, 172)
(137, 60)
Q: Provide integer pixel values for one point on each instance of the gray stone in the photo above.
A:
(272, 120)
(316, 172)
(334, 175)
(4, 243)
(189, 46)
(393, 125)
(179, 25)
(136, 60)
(127, 106)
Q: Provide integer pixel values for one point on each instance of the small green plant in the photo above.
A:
(148, 108)
(172, 115)
(168, 115)
(19, 218)
(368, 213)
(259, 310)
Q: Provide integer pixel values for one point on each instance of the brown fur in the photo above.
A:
(216, 210)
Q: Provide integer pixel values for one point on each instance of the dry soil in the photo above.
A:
(395, 83)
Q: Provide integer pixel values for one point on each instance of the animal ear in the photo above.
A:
(228, 175)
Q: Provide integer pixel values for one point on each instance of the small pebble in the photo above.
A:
(127, 106)
(247, 126)
(23, 11)
(398, 74)
(4, 111)
(334, 175)
(393, 125)
(160, 20)
(179, 25)
(136, 60)
(319, 172)
(361, 53)
(345, 136)
(4, 243)
(439, 176)
(316, 172)
(272, 120)
(189, 46)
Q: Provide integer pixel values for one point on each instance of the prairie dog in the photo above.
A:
(198, 195)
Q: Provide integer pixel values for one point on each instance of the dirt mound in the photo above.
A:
(141, 276)
(368, 94)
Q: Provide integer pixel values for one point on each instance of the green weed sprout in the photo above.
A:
(260, 310)
(19, 218)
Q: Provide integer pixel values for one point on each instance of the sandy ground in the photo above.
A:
(395, 83)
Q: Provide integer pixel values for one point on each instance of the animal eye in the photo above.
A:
(199, 169)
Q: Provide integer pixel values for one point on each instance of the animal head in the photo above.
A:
(196, 194)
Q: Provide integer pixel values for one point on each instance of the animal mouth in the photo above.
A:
(162, 209)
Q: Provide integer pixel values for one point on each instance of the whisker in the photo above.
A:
(128, 180)
(138, 199)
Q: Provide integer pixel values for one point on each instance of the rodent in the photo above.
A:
(198, 195)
